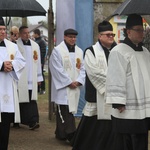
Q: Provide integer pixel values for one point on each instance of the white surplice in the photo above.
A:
(59, 65)
(32, 74)
(9, 80)
(96, 69)
(128, 82)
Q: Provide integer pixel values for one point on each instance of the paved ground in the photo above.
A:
(41, 139)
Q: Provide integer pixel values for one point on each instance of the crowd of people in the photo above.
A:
(116, 79)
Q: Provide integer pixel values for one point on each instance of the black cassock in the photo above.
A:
(29, 112)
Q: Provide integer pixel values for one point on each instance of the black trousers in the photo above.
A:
(6, 119)
(29, 112)
(135, 141)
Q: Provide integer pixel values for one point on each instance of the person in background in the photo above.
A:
(68, 75)
(30, 78)
(11, 67)
(14, 34)
(42, 44)
(127, 86)
(94, 131)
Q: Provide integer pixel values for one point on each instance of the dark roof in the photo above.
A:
(33, 27)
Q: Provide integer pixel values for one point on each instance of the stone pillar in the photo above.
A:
(24, 21)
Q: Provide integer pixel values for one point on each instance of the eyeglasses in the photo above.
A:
(109, 35)
(71, 37)
(138, 30)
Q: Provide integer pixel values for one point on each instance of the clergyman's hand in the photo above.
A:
(121, 109)
(72, 85)
(77, 83)
(8, 66)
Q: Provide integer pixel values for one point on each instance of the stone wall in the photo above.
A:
(103, 9)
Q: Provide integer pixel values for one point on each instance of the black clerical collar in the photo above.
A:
(26, 42)
(133, 46)
(2, 44)
(70, 48)
(106, 50)
(14, 42)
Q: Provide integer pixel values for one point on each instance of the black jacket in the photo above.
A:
(42, 45)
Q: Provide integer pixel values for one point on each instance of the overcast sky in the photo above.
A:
(36, 19)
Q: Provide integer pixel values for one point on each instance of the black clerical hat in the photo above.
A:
(70, 31)
(2, 22)
(133, 20)
(104, 26)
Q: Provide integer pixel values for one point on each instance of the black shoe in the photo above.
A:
(61, 139)
(16, 125)
(35, 126)
(70, 137)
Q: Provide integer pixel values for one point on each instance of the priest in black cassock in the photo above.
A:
(95, 128)
(30, 78)
(128, 85)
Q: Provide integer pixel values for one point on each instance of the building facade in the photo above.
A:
(103, 9)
